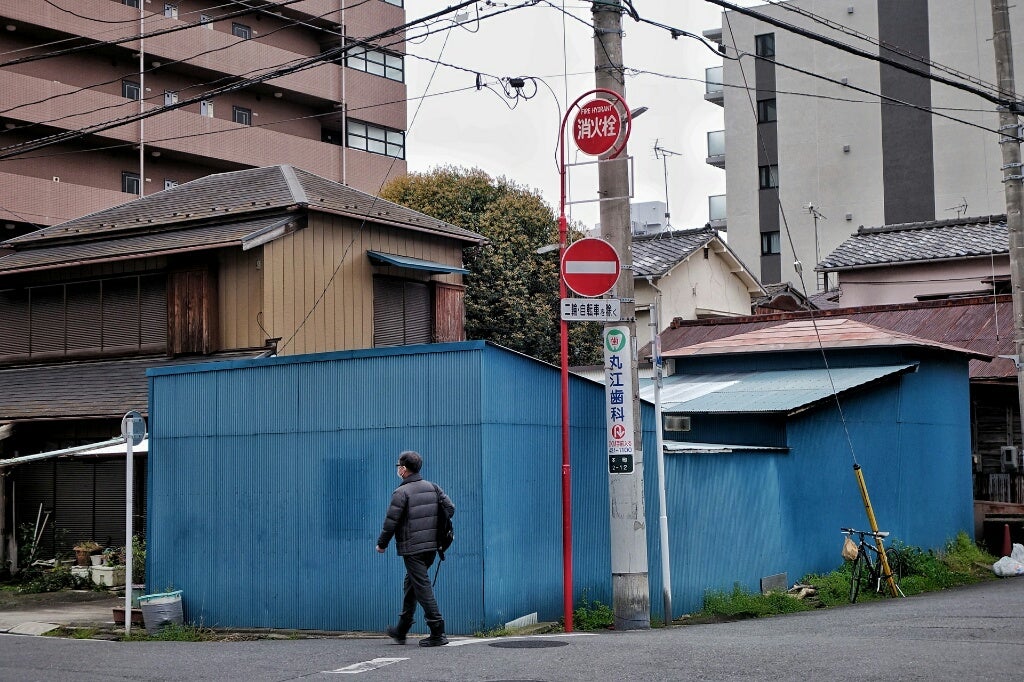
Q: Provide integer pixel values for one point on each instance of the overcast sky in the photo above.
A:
(479, 129)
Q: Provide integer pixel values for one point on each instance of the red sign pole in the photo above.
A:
(563, 237)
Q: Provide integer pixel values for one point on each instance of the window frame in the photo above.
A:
(767, 110)
(170, 10)
(764, 45)
(376, 62)
(132, 3)
(374, 139)
(243, 31)
(126, 178)
(768, 176)
(396, 3)
(771, 243)
(243, 112)
(126, 88)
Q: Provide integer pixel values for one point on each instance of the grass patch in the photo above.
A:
(741, 603)
(592, 615)
(73, 633)
(175, 633)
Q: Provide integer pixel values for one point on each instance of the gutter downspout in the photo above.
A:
(666, 575)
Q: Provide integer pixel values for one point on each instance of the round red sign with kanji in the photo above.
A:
(596, 127)
(590, 267)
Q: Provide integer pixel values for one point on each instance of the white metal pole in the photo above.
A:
(666, 563)
(128, 529)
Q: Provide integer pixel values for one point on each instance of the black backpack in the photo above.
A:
(445, 530)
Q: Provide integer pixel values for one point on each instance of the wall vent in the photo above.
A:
(675, 422)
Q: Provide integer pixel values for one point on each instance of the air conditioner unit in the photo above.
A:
(675, 422)
(1009, 458)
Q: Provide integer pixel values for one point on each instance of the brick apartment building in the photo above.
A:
(343, 119)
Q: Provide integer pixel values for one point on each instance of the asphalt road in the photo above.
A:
(973, 633)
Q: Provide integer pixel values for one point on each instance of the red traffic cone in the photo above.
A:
(1007, 545)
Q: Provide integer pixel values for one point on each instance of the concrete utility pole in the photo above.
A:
(631, 595)
(1010, 143)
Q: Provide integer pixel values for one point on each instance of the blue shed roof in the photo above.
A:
(784, 391)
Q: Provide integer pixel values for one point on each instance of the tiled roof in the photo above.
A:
(656, 254)
(800, 335)
(980, 324)
(916, 242)
(135, 246)
(247, 193)
(98, 389)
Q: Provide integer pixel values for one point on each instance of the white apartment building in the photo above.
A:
(823, 157)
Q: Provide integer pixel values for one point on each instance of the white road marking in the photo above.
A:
(366, 666)
(485, 640)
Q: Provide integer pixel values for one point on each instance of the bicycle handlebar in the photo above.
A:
(862, 533)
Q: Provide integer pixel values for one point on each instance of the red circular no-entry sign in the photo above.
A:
(590, 267)
(596, 127)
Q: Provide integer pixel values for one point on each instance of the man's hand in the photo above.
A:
(380, 550)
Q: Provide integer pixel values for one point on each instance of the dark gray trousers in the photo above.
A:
(417, 589)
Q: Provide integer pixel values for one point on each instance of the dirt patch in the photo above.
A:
(11, 600)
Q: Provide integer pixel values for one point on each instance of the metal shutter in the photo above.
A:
(14, 329)
(121, 313)
(153, 308)
(388, 312)
(418, 313)
(109, 502)
(83, 306)
(73, 504)
(46, 310)
(32, 487)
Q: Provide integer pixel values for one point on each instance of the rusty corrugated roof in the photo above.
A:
(981, 324)
(811, 335)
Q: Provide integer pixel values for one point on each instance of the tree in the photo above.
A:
(511, 291)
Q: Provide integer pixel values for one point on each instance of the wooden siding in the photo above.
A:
(191, 312)
(240, 287)
(449, 313)
(318, 282)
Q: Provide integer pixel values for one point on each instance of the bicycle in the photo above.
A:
(868, 569)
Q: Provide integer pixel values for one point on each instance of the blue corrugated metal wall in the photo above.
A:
(269, 480)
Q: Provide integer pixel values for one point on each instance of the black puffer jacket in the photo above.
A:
(412, 516)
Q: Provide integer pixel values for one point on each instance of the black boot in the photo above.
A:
(397, 633)
(437, 637)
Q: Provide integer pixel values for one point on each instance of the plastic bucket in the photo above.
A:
(161, 609)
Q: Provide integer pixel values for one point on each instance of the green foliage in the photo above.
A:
(138, 559)
(741, 603)
(592, 615)
(73, 633)
(512, 296)
(174, 633)
(497, 631)
(44, 579)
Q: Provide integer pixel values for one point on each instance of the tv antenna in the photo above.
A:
(818, 215)
(961, 208)
(663, 154)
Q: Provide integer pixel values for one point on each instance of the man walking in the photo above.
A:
(412, 520)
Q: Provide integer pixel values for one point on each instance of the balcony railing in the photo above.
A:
(716, 211)
(714, 90)
(716, 148)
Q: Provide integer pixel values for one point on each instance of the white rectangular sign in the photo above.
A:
(591, 309)
(618, 399)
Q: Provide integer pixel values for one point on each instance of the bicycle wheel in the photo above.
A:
(858, 571)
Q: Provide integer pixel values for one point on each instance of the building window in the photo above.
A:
(766, 110)
(770, 244)
(376, 140)
(241, 31)
(402, 312)
(170, 10)
(131, 3)
(768, 176)
(764, 45)
(396, 3)
(206, 108)
(378, 63)
(130, 90)
(130, 182)
(241, 115)
(170, 183)
(170, 98)
(205, 20)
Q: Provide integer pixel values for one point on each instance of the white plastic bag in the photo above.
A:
(1018, 553)
(1006, 566)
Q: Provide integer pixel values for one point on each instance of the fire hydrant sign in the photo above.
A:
(596, 127)
(618, 399)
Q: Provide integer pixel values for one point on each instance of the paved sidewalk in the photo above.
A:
(34, 614)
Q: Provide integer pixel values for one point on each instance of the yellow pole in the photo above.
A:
(893, 589)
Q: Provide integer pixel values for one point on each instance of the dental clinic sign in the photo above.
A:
(618, 399)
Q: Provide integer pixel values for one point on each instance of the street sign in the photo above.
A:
(618, 399)
(591, 309)
(596, 127)
(133, 427)
(590, 267)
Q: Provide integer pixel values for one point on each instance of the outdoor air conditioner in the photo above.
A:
(675, 422)
(1009, 458)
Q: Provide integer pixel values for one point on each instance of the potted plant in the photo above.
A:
(111, 573)
(83, 550)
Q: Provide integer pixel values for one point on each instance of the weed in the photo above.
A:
(741, 603)
(592, 615)
(175, 633)
(497, 631)
(73, 633)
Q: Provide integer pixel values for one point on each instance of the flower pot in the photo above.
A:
(109, 576)
(82, 556)
(96, 559)
(137, 618)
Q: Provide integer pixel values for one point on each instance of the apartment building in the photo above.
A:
(864, 144)
(79, 65)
